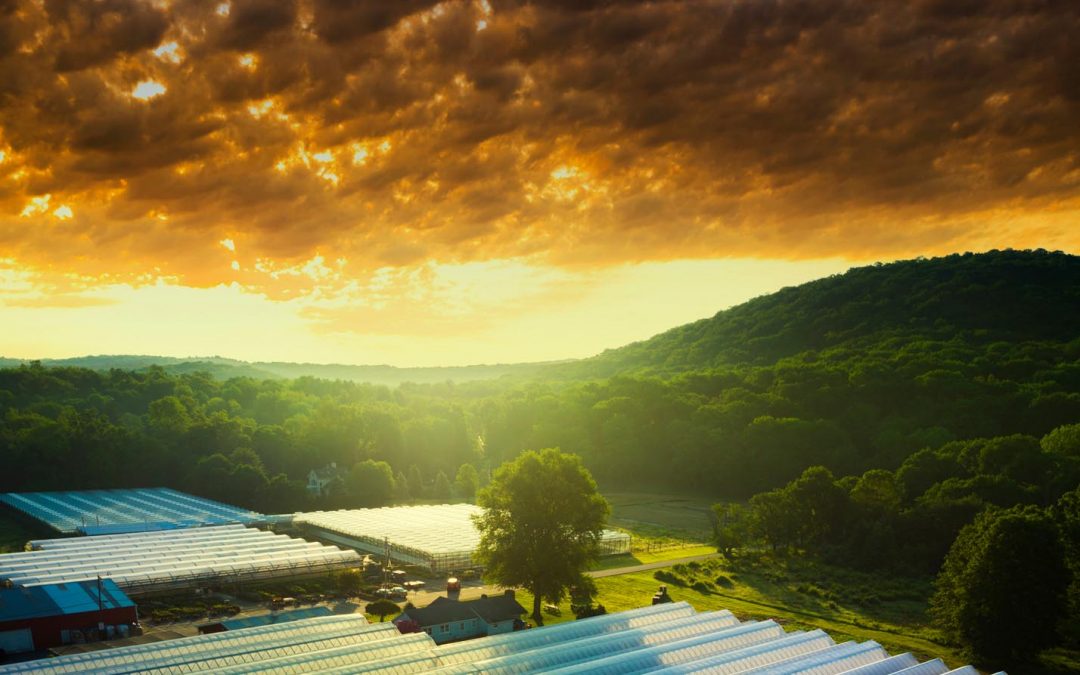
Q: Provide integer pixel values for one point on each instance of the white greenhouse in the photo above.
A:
(669, 638)
(118, 511)
(171, 559)
(441, 537)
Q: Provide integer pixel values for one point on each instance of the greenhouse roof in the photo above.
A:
(105, 511)
(667, 639)
(172, 558)
(430, 529)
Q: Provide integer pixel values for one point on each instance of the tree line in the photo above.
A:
(997, 520)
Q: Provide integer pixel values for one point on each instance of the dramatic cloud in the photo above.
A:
(137, 136)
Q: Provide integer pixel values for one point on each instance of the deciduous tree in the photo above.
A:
(1001, 591)
(541, 525)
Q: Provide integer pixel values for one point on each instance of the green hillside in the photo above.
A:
(1010, 296)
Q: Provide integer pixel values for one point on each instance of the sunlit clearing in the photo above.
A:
(148, 89)
(168, 52)
(325, 156)
(63, 212)
(228, 243)
(360, 156)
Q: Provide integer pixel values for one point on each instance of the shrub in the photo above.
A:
(724, 582)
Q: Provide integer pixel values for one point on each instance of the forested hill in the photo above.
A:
(1011, 296)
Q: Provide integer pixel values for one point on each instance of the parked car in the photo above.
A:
(413, 585)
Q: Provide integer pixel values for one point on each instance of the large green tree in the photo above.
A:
(541, 525)
(1001, 591)
(371, 483)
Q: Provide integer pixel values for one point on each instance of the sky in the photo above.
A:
(445, 183)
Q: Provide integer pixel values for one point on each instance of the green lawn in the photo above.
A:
(661, 515)
(802, 595)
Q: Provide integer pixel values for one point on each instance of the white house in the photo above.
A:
(447, 620)
(319, 479)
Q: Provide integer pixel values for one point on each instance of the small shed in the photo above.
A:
(34, 618)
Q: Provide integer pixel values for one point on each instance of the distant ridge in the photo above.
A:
(1008, 296)
(223, 368)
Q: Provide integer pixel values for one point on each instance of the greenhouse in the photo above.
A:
(171, 559)
(119, 511)
(668, 639)
(441, 537)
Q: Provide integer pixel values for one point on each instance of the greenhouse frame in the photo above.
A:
(118, 511)
(668, 639)
(149, 562)
(441, 537)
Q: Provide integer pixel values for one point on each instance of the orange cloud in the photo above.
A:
(372, 135)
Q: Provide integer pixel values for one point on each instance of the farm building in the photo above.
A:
(670, 638)
(120, 511)
(40, 617)
(147, 562)
(448, 620)
(441, 537)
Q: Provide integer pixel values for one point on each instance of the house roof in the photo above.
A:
(441, 610)
(31, 602)
(497, 608)
(444, 610)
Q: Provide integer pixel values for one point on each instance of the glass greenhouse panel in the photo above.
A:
(212, 645)
(150, 508)
(715, 627)
(144, 562)
(356, 655)
(889, 666)
(509, 643)
(934, 667)
(441, 537)
(740, 660)
(828, 661)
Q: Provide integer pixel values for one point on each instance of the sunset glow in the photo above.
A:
(458, 182)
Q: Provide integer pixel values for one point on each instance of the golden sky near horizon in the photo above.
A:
(451, 182)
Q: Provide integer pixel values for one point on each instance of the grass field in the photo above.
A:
(802, 595)
(661, 516)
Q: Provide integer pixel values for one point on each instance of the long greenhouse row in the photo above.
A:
(441, 537)
(667, 639)
(156, 561)
(103, 511)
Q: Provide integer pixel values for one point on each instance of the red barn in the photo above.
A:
(38, 617)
